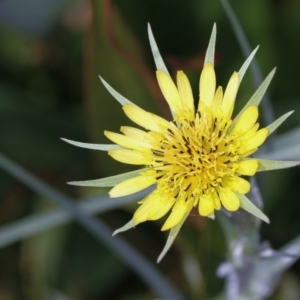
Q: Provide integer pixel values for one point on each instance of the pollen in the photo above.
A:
(195, 158)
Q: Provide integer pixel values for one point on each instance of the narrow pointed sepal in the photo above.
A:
(126, 227)
(247, 205)
(272, 127)
(246, 64)
(210, 52)
(260, 92)
(257, 96)
(102, 147)
(211, 216)
(108, 181)
(267, 165)
(121, 99)
(160, 65)
(172, 235)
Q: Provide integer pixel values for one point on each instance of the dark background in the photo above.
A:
(51, 53)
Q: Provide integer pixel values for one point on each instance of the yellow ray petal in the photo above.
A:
(141, 214)
(144, 118)
(217, 102)
(170, 92)
(185, 91)
(150, 138)
(178, 212)
(245, 149)
(229, 199)
(247, 167)
(133, 132)
(257, 139)
(206, 205)
(160, 210)
(237, 184)
(207, 85)
(127, 142)
(247, 153)
(230, 94)
(250, 133)
(246, 121)
(216, 200)
(131, 186)
(130, 156)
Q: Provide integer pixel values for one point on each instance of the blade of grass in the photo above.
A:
(152, 277)
(42, 221)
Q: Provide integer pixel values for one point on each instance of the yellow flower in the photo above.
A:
(196, 160)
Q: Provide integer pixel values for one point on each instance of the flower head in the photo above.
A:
(195, 160)
(198, 159)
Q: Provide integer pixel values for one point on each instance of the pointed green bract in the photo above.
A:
(160, 65)
(257, 96)
(267, 165)
(108, 181)
(210, 52)
(121, 99)
(231, 232)
(285, 152)
(172, 235)
(259, 93)
(211, 216)
(246, 64)
(272, 127)
(102, 147)
(285, 146)
(289, 138)
(126, 227)
(247, 205)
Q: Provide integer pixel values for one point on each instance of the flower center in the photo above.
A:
(195, 155)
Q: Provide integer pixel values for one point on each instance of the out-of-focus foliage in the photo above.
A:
(49, 88)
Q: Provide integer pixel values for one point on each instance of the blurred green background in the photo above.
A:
(51, 53)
